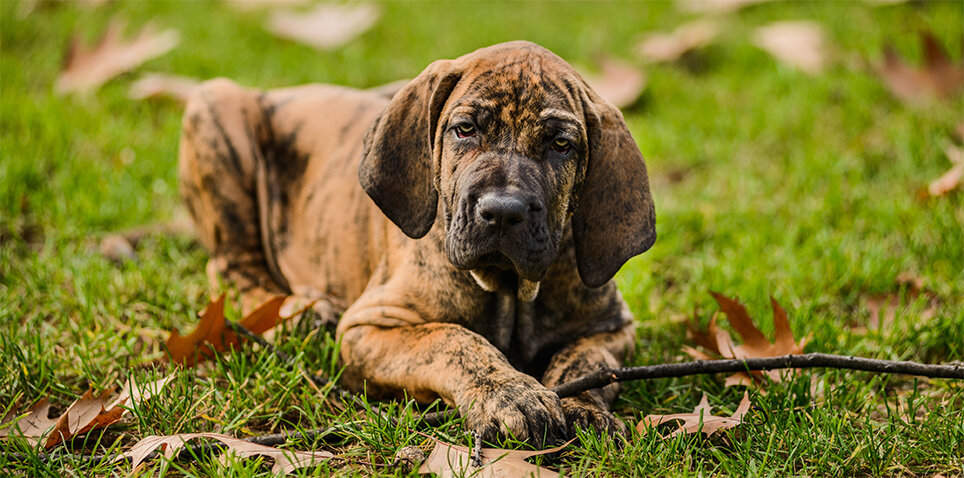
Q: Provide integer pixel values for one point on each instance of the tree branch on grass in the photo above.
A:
(702, 367)
(603, 378)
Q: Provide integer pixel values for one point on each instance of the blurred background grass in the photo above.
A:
(767, 181)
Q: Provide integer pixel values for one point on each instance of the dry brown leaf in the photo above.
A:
(117, 249)
(883, 3)
(755, 344)
(268, 315)
(716, 6)
(212, 336)
(449, 461)
(618, 82)
(87, 413)
(938, 78)
(26, 7)
(245, 5)
(661, 47)
(950, 180)
(700, 420)
(88, 68)
(800, 44)
(882, 308)
(133, 393)
(153, 85)
(210, 330)
(285, 461)
(34, 425)
(328, 26)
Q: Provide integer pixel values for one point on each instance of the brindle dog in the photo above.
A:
(466, 228)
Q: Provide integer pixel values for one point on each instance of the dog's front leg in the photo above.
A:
(608, 350)
(446, 360)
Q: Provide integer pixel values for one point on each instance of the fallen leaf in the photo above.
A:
(618, 82)
(268, 315)
(755, 344)
(937, 78)
(212, 335)
(87, 413)
(950, 180)
(256, 4)
(716, 6)
(210, 330)
(285, 461)
(117, 249)
(153, 85)
(34, 424)
(449, 461)
(26, 7)
(700, 420)
(88, 68)
(882, 308)
(133, 393)
(663, 47)
(799, 44)
(327, 27)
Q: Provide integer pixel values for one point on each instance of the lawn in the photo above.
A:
(768, 182)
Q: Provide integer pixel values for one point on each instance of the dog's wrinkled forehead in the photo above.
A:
(519, 81)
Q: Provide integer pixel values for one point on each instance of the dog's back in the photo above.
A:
(322, 232)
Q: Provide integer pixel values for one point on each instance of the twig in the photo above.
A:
(476, 449)
(700, 367)
(603, 378)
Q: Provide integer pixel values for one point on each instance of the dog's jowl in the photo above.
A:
(465, 230)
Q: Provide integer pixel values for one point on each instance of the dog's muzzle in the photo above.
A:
(505, 230)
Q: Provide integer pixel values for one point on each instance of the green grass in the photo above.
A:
(767, 182)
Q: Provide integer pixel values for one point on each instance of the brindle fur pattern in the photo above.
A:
(436, 298)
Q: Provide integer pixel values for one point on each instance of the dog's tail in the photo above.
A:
(121, 246)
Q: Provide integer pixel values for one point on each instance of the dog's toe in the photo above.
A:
(586, 413)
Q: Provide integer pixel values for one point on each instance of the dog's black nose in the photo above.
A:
(501, 211)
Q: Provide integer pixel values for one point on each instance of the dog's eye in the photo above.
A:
(561, 145)
(465, 130)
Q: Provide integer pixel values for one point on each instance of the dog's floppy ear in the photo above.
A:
(614, 218)
(396, 169)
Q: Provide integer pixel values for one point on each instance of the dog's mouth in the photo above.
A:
(529, 265)
(495, 259)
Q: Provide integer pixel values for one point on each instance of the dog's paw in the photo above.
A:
(584, 412)
(516, 405)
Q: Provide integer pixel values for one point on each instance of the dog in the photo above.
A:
(462, 232)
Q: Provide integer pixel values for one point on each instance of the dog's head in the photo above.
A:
(515, 144)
